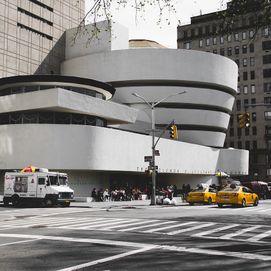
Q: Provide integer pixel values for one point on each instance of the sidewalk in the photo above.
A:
(121, 204)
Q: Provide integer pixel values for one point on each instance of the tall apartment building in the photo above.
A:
(252, 54)
(31, 34)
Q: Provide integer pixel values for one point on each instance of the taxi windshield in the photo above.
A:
(199, 189)
(231, 189)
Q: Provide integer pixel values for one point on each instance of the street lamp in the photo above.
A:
(152, 105)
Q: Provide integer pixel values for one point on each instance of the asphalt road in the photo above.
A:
(136, 237)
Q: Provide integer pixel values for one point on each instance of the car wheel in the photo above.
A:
(256, 202)
(244, 204)
(220, 205)
(191, 203)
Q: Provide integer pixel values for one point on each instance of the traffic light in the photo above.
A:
(173, 132)
(244, 120)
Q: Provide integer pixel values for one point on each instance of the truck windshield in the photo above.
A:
(53, 180)
(62, 180)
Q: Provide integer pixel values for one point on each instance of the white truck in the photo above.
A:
(41, 187)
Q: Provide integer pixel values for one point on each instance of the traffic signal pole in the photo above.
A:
(152, 106)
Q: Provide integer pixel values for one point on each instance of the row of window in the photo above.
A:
(49, 118)
(239, 131)
(39, 3)
(34, 16)
(245, 75)
(35, 31)
(25, 89)
(248, 145)
(245, 89)
(253, 115)
(246, 102)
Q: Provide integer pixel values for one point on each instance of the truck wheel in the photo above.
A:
(15, 201)
(48, 202)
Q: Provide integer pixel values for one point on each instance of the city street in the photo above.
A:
(134, 235)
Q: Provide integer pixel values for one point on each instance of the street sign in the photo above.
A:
(151, 167)
(147, 158)
(157, 153)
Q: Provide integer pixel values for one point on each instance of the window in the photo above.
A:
(265, 31)
(245, 102)
(266, 59)
(207, 41)
(266, 73)
(236, 36)
(267, 100)
(236, 50)
(266, 45)
(244, 35)
(41, 181)
(251, 34)
(253, 101)
(229, 51)
(245, 89)
(244, 49)
(252, 61)
(221, 39)
(253, 116)
(268, 130)
(253, 90)
(245, 76)
(254, 130)
(200, 43)
(247, 131)
(252, 75)
(247, 145)
(244, 62)
(238, 90)
(238, 105)
(222, 51)
(229, 38)
(267, 87)
(187, 45)
(214, 41)
(251, 47)
(207, 29)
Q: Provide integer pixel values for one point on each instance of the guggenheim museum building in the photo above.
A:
(86, 121)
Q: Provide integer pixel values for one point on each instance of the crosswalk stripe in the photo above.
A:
(107, 224)
(131, 224)
(258, 237)
(169, 227)
(215, 230)
(147, 226)
(191, 229)
(239, 232)
(79, 222)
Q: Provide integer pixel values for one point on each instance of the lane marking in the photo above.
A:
(116, 257)
(200, 234)
(148, 226)
(258, 237)
(239, 232)
(169, 227)
(191, 229)
(130, 224)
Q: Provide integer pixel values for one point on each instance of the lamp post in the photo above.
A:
(152, 106)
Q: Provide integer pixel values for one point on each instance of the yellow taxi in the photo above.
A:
(202, 194)
(236, 195)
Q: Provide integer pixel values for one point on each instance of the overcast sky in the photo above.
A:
(147, 28)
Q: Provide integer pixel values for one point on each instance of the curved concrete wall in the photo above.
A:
(76, 147)
(210, 82)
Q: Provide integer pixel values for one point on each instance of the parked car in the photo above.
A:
(260, 188)
(202, 194)
(236, 195)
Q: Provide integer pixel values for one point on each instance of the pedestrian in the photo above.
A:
(94, 194)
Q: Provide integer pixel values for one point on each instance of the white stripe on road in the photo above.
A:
(258, 237)
(239, 232)
(215, 230)
(130, 224)
(169, 227)
(191, 229)
(148, 226)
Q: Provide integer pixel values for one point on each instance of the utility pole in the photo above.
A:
(152, 106)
